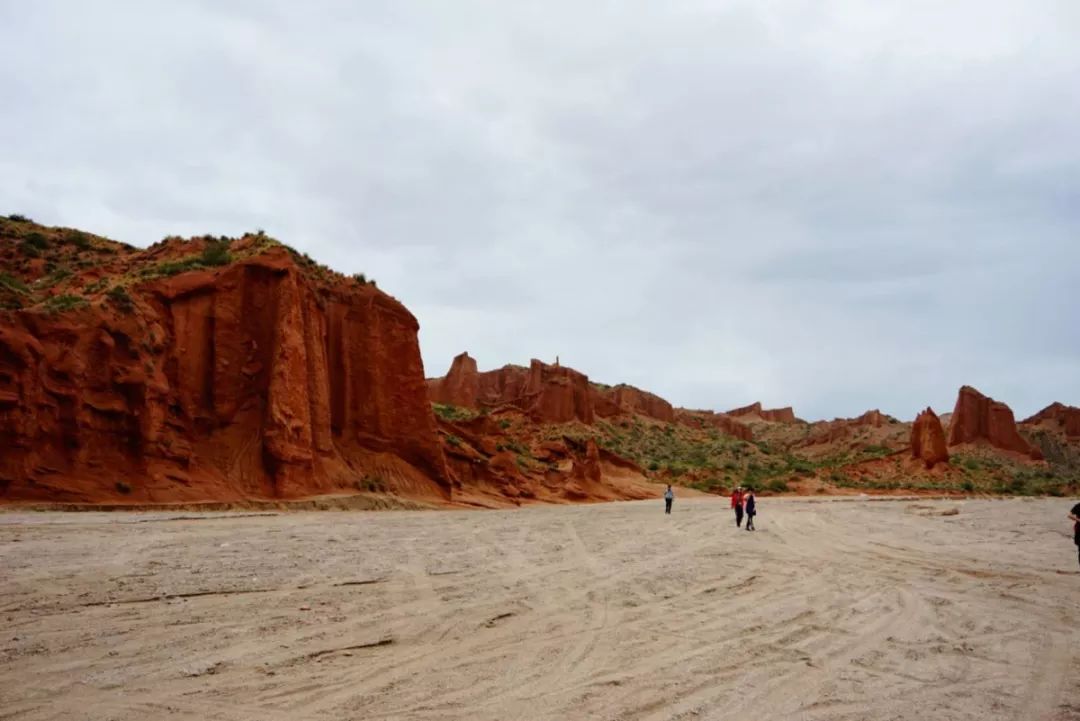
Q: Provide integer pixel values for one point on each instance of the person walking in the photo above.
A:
(737, 504)
(669, 496)
(1074, 516)
(751, 508)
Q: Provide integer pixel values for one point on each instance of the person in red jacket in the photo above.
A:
(737, 504)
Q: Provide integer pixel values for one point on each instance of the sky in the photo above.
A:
(831, 204)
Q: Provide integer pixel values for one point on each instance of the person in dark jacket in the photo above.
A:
(751, 508)
(1074, 516)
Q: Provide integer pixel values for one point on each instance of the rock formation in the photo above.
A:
(710, 419)
(1059, 416)
(842, 429)
(928, 439)
(460, 387)
(628, 399)
(557, 394)
(774, 415)
(181, 375)
(979, 418)
(548, 393)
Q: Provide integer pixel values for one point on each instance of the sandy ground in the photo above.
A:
(833, 609)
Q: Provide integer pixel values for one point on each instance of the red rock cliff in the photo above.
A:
(774, 415)
(928, 439)
(979, 418)
(460, 387)
(257, 378)
(628, 399)
(547, 393)
(704, 419)
(1065, 418)
(557, 394)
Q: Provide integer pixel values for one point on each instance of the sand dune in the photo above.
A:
(846, 609)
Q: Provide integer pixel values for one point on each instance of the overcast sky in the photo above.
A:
(833, 204)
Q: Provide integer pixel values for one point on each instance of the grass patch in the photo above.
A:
(453, 413)
(12, 283)
(65, 302)
(216, 252)
(119, 297)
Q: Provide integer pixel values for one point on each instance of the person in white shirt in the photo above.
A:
(669, 496)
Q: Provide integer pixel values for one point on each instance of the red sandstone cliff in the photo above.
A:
(547, 393)
(1059, 416)
(774, 415)
(460, 386)
(843, 429)
(628, 399)
(709, 419)
(154, 377)
(979, 418)
(928, 439)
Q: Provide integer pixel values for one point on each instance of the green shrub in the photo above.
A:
(216, 252)
(118, 295)
(12, 283)
(15, 217)
(452, 413)
(968, 485)
(61, 273)
(360, 278)
(453, 440)
(65, 302)
(79, 239)
(123, 487)
(777, 485)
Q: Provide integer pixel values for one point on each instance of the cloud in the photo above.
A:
(835, 205)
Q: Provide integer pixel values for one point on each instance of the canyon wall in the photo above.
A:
(256, 379)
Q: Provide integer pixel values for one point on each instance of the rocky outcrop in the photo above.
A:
(979, 418)
(259, 377)
(628, 399)
(1059, 416)
(710, 419)
(928, 439)
(547, 393)
(844, 429)
(460, 387)
(774, 415)
(557, 394)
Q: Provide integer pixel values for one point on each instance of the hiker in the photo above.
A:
(1074, 516)
(751, 508)
(736, 503)
(669, 496)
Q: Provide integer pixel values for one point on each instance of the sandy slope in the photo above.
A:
(832, 610)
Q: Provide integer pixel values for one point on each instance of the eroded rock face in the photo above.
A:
(774, 415)
(249, 380)
(547, 393)
(1064, 418)
(710, 419)
(928, 439)
(842, 429)
(459, 387)
(627, 399)
(979, 418)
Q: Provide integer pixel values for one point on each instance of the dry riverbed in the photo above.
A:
(833, 609)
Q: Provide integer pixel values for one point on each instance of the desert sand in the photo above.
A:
(833, 609)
